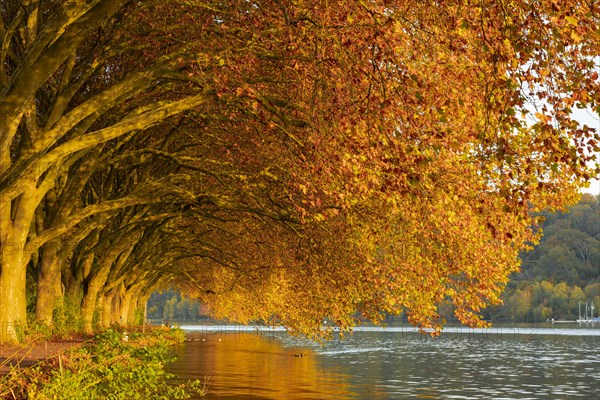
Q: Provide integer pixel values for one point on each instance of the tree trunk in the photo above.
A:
(129, 306)
(78, 270)
(49, 285)
(12, 290)
(90, 298)
(119, 311)
(126, 304)
(88, 306)
(111, 304)
(106, 309)
(13, 264)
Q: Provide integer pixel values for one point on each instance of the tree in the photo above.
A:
(436, 149)
(372, 157)
(59, 79)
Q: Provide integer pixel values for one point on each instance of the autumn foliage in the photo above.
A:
(294, 161)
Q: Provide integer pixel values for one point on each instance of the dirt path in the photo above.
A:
(30, 354)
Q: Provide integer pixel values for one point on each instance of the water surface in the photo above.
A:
(394, 363)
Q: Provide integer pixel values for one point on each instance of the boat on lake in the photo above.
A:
(587, 319)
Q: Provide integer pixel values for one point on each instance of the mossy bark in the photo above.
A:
(13, 263)
(49, 284)
(107, 309)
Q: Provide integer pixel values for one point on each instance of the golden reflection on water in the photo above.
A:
(393, 365)
(253, 365)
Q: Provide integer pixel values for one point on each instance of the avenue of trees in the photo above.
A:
(284, 160)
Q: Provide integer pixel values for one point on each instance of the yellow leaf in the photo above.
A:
(572, 20)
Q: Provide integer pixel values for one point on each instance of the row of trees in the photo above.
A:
(287, 160)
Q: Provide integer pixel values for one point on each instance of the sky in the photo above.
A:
(594, 187)
(591, 119)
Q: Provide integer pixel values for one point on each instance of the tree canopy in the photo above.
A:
(285, 161)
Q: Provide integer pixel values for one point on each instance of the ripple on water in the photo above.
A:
(389, 365)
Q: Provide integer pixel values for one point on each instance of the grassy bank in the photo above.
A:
(112, 365)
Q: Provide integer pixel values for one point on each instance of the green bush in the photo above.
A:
(67, 317)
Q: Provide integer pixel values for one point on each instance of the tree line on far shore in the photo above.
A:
(560, 272)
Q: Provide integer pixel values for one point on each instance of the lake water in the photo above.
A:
(393, 363)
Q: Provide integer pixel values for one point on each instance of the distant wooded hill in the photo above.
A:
(560, 272)
(569, 251)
